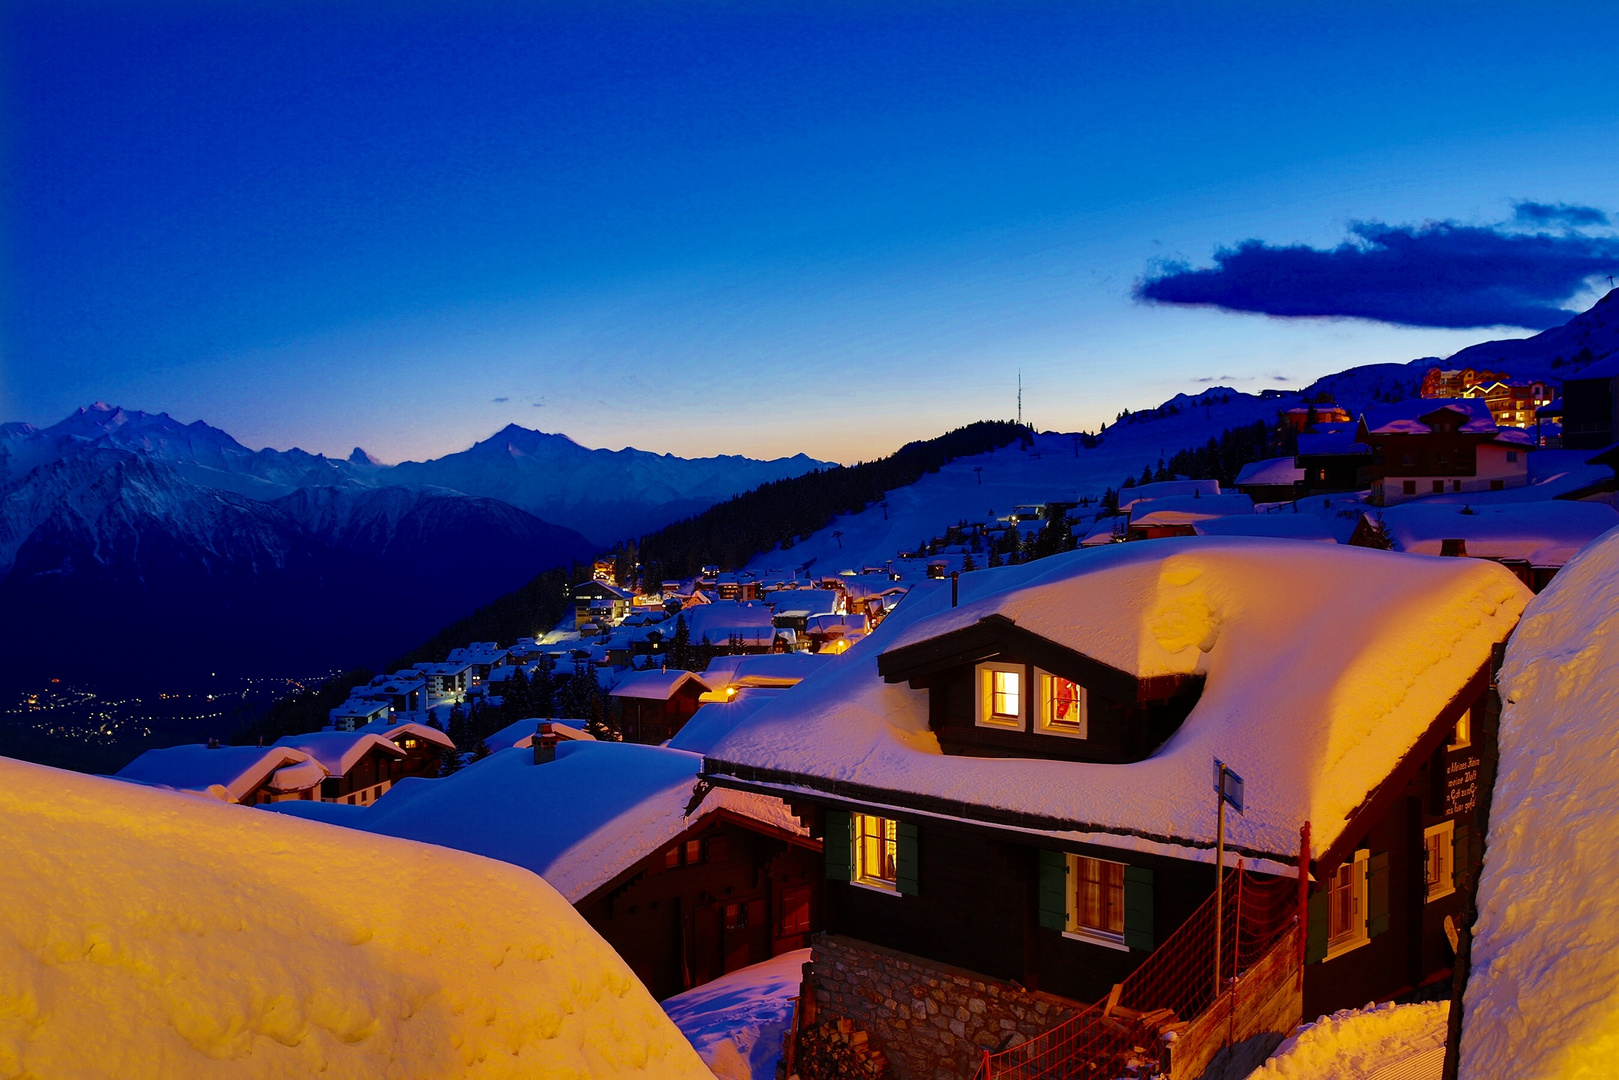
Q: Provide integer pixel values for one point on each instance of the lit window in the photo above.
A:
(1000, 695)
(1062, 707)
(1096, 905)
(1346, 907)
(1462, 737)
(1439, 859)
(876, 851)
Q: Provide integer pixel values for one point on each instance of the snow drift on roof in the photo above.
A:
(1271, 471)
(1312, 703)
(150, 934)
(656, 685)
(1405, 417)
(762, 669)
(1283, 526)
(577, 821)
(1186, 509)
(1543, 999)
(339, 751)
(1545, 533)
(195, 767)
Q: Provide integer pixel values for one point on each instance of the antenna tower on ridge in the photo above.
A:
(1020, 397)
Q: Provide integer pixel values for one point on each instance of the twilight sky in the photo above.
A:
(765, 228)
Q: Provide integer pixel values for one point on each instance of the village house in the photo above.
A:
(685, 883)
(1178, 515)
(1270, 480)
(357, 712)
(446, 681)
(1432, 447)
(242, 774)
(656, 704)
(403, 691)
(481, 657)
(1304, 417)
(1017, 801)
(1331, 459)
(600, 603)
(1590, 406)
(1455, 382)
(1513, 402)
(357, 767)
(1532, 539)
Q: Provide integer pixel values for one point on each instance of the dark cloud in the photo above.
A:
(1539, 213)
(1440, 274)
(499, 400)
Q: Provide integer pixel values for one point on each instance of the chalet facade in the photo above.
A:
(1061, 815)
(1331, 459)
(599, 602)
(655, 705)
(1437, 447)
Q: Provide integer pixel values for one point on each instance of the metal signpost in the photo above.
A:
(1228, 789)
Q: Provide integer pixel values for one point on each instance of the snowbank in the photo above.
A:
(151, 934)
(1387, 1041)
(1545, 533)
(1543, 999)
(737, 1021)
(1313, 702)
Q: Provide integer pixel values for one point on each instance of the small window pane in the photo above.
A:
(876, 850)
(1004, 695)
(1099, 896)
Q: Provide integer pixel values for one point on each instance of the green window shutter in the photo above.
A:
(1315, 937)
(1461, 854)
(1138, 908)
(836, 846)
(905, 854)
(1053, 890)
(1377, 894)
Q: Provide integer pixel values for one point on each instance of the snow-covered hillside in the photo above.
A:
(151, 934)
(1055, 468)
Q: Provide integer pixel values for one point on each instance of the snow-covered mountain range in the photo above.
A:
(200, 554)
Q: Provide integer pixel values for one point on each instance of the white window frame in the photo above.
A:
(984, 679)
(1072, 928)
(888, 834)
(1461, 737)
(1356, 935)
(1446, 831)
(1071, 729)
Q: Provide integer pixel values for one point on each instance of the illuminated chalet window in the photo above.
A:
(1096, 905)
(1061, 707)
(876, 851)
(1000, 695)
(1462, 737)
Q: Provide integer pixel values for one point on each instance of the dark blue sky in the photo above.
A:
(758, 228)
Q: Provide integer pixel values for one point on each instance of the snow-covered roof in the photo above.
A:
(1543, 998)
(803, 601)
(1406, 417)
(421, 731)
(1282, 526)
(762, 669)
(722, 618)
(712, 721)
(299, 777)
(1313, 708)
(1168, 489)
(656, 685)
(150, 933)
(1187, 509)
(339, 751)
(521, 732)
(196, 767)
(1270, 472)
(1332, 439)
(1544, 533)
(578, 821)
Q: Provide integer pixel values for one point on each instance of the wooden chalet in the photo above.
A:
(1432, 447)
(1017, 792)
(656, 704)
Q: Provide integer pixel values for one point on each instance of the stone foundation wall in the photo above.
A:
(929, 1020)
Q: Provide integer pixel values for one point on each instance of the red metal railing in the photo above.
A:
(1123, 1035)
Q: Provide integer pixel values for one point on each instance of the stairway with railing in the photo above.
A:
(1169, 1015)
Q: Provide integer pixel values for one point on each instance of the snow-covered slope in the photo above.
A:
(980, 487)
(737, 1021)
(605, 494)
(1543, 997)
(151, 934)
(1379, 1042)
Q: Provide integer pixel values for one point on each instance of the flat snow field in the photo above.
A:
(737, 1021)
(150, 934)
(1384, 1042)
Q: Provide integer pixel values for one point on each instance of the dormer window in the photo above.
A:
(1000, 696)
(1062, 707)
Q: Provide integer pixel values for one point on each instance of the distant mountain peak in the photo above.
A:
(360, 457)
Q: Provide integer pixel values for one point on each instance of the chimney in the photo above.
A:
(545, 745)
(955, 588)
(1453, 546)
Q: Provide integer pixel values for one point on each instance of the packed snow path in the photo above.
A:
(737, 1021)
(1387, 1042)
(146, 933)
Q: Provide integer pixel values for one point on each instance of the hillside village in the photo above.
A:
(929, 789)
